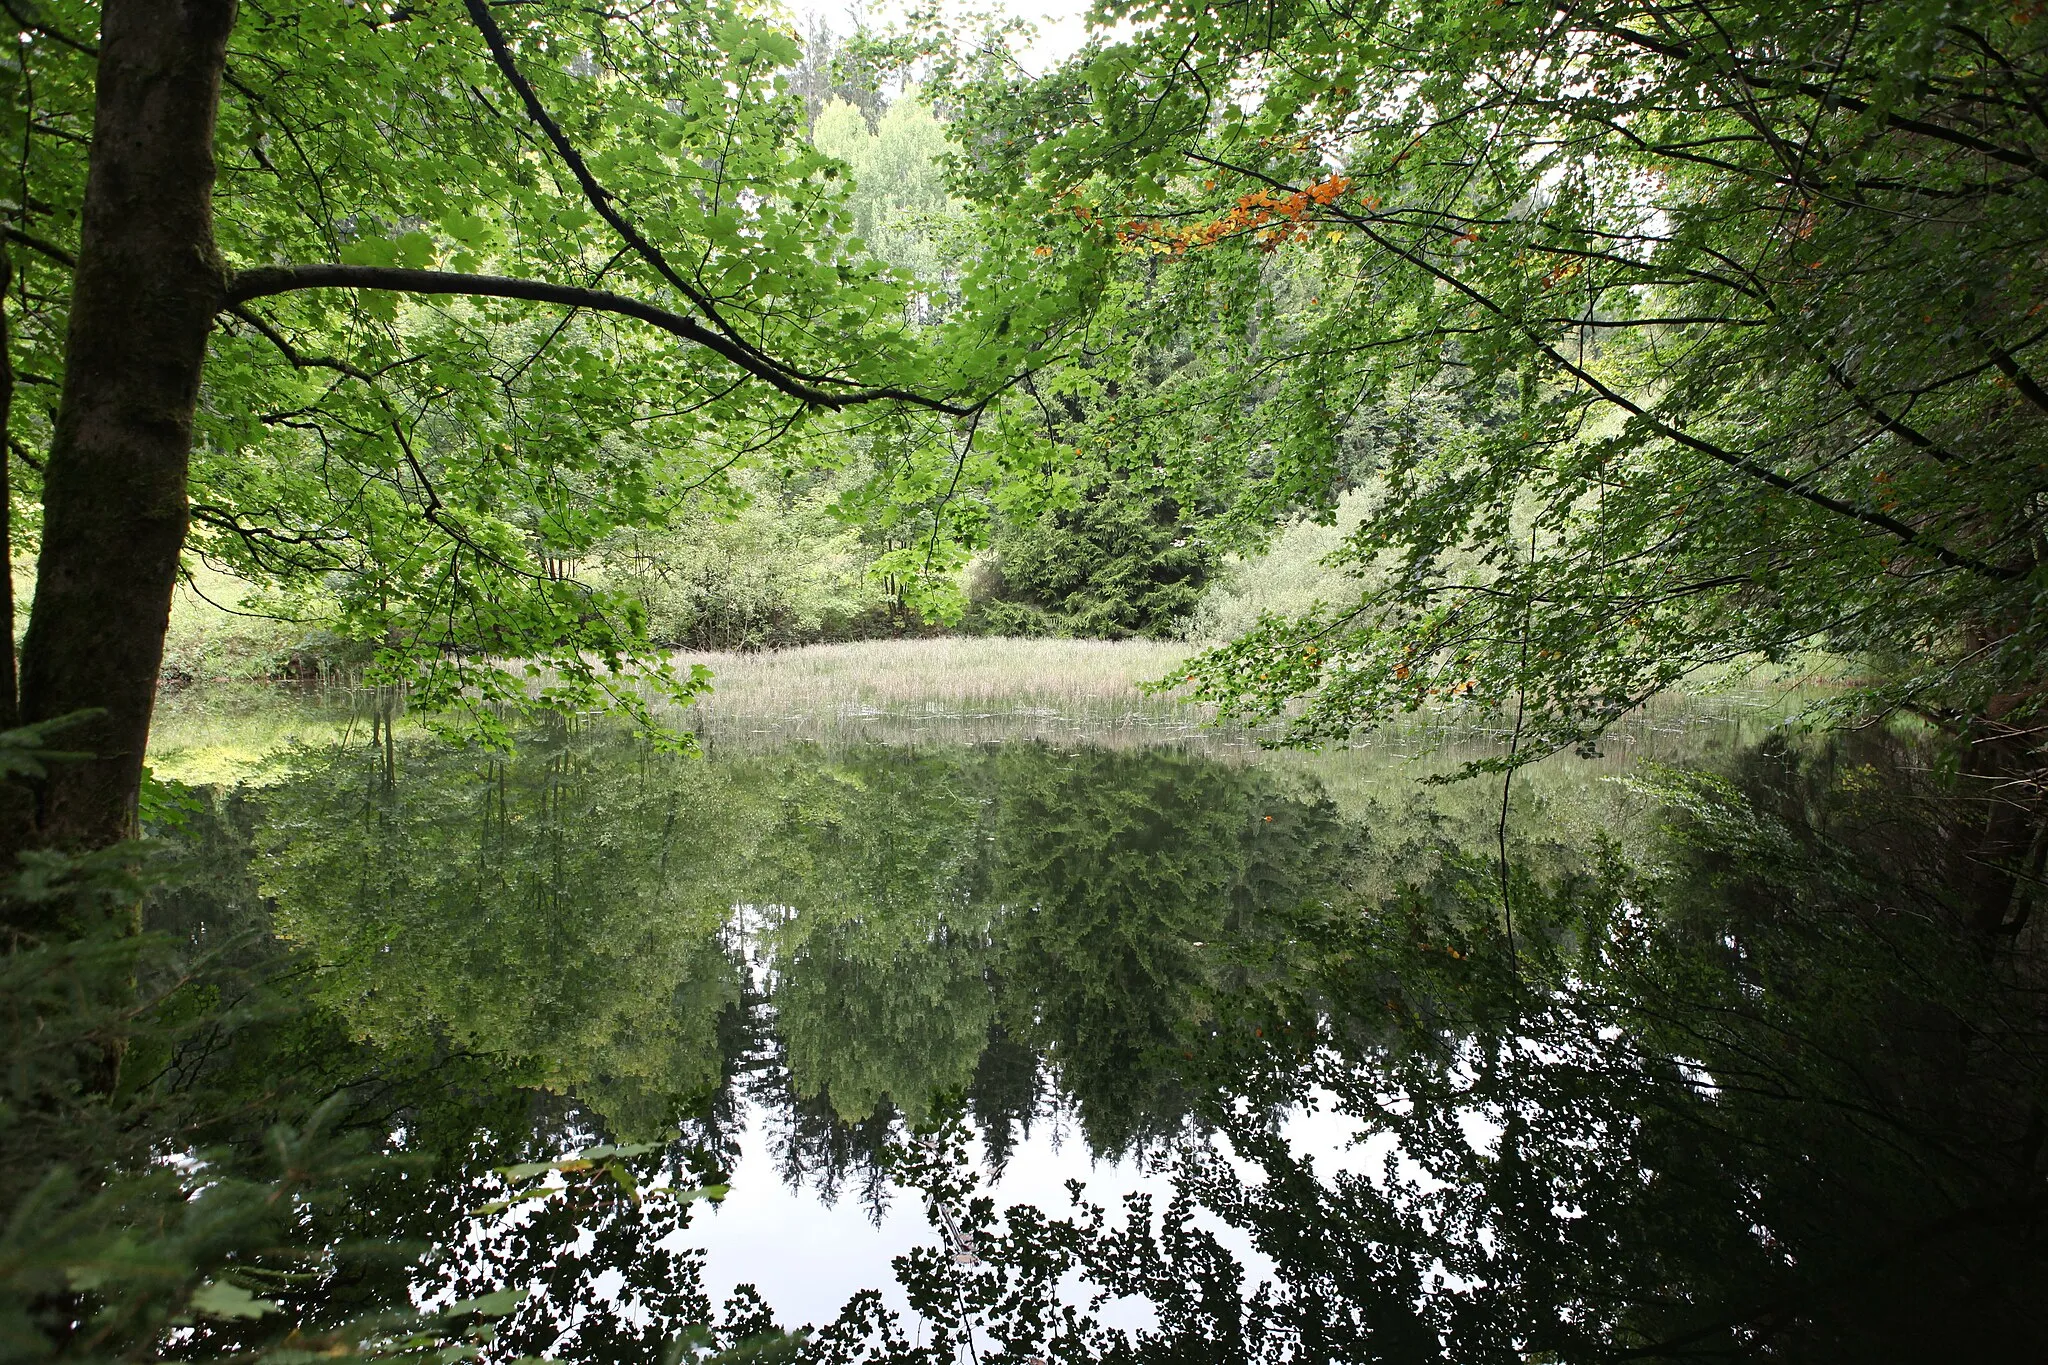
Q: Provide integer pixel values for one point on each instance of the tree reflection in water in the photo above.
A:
(1755, 1090)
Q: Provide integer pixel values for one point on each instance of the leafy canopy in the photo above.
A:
(503, 283)
(1661, 336)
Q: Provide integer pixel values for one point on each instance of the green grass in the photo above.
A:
(954, 688)
(218, 635)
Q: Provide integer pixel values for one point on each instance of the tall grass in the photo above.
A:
(955, 688)
(970, 672)
(975, 689)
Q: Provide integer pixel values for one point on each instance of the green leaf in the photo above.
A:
(376, 251)
(226, 1299)
(466, 228)
(628, 1149)
(495, 1305)
(524, 1196)
(414, 250)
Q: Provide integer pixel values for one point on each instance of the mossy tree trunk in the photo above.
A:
(147, 286)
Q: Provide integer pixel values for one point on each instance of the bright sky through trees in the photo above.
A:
(1061, 24)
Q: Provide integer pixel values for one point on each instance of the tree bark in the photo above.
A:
(144, 295)
(10, 715)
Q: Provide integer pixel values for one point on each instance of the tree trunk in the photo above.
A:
(144, 295)
(9, 715)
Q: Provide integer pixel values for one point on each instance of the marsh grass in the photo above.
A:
(964, 689)
(971, 671)
(959, 689)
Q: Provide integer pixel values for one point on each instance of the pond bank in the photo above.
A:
(949, 689)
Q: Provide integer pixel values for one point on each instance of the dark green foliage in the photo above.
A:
(1120, 561)
(184, 1144)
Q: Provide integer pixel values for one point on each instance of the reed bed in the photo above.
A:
(975, 689)
(966, 671)
(955, 689)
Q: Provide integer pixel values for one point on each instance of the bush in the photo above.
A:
(1290, 577)
(780, 571)
(221, 629)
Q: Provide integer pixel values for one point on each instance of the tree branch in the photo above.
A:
(1885, 421)
(298, 359)
(604, 201)
(29, 19)
(266, 546)
(271, 280)
(2012, 370)
(1905, 534)
(1826, 98)
(599, 197)
(40, 247)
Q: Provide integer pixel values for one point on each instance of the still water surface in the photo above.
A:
(1087, 1051)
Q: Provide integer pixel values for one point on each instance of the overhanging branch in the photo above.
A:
(272, 280)
(42, 248)
(600, 198)
(1370, 228)
(607, 204)
(1822, 95)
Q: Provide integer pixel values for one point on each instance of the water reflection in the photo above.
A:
(874, 932)
(1760, 1095)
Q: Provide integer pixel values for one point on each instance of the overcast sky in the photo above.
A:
(1059, 22)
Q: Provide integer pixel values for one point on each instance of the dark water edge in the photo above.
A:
(1710, 1068)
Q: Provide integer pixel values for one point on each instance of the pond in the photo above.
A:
(1089, 1047)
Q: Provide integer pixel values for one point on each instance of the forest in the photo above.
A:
(1472, 569)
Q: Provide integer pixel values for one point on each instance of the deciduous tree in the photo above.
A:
(416, 303)
(1734, 308)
